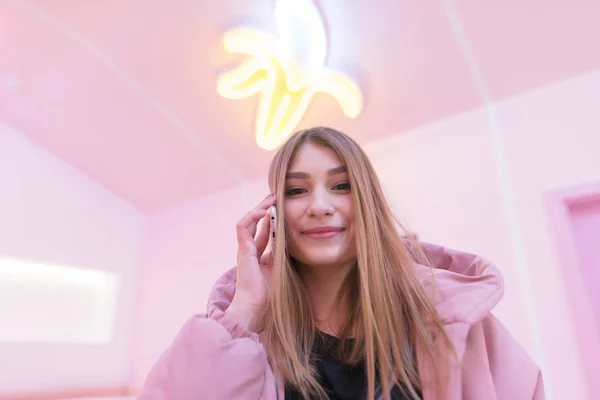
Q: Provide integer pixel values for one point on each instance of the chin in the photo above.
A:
(324, 258)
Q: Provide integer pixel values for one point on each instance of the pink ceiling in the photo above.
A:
(125, 89)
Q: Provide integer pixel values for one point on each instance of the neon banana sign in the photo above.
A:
(286, 71)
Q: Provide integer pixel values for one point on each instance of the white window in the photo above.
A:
(52, 304)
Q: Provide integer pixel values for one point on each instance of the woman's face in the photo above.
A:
(318, 208)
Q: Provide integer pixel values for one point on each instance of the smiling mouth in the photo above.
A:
(323, 233)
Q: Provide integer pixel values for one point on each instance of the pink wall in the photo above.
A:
(453, 183)
(189, 247)
(548, 139)
(50, 212)
(443, 184)
(552, 137)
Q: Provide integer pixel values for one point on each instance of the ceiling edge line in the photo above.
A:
(514, 228)
(132, 83)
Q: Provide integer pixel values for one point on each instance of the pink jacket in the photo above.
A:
(212, 358)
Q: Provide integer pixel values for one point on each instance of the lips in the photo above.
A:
(322, 232)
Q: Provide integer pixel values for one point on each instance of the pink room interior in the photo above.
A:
(124, 166)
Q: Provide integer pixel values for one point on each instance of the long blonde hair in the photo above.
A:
(391, 313)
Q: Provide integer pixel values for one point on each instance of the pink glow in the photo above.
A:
(118, 154)
(180, 268)
(52, 213)
(159, 102)
(517, 51)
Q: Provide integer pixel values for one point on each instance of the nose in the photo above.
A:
(321, 204)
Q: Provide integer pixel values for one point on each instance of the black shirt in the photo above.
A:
(340, 381)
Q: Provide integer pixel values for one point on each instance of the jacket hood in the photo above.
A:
(466, 286)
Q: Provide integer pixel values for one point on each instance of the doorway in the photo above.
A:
(585, 228)
(576, 217)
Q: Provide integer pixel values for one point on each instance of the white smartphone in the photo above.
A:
(272, 222)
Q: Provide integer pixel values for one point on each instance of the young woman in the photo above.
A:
(343, 307)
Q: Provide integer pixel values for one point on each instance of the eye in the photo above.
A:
(294, 191)
(342, 186)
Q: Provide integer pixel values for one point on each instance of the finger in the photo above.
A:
(249, 221)
(262, 239)
(258, 226)
(244, 227)
(266, 258)
(266, 202)
(263, 205)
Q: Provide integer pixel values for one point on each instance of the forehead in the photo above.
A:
(314, 157)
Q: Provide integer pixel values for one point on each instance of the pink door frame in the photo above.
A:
(586, 327)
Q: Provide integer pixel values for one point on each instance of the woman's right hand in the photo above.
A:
(253, 267)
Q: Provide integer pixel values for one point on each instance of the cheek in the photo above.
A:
(294, 245)
(346, 208)
(293, 215)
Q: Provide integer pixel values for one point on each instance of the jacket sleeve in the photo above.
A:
(494, 359)
(211, 358)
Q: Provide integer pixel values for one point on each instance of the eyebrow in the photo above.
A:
(305, 175)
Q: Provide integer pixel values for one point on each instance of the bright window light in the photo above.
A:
(51, 304)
